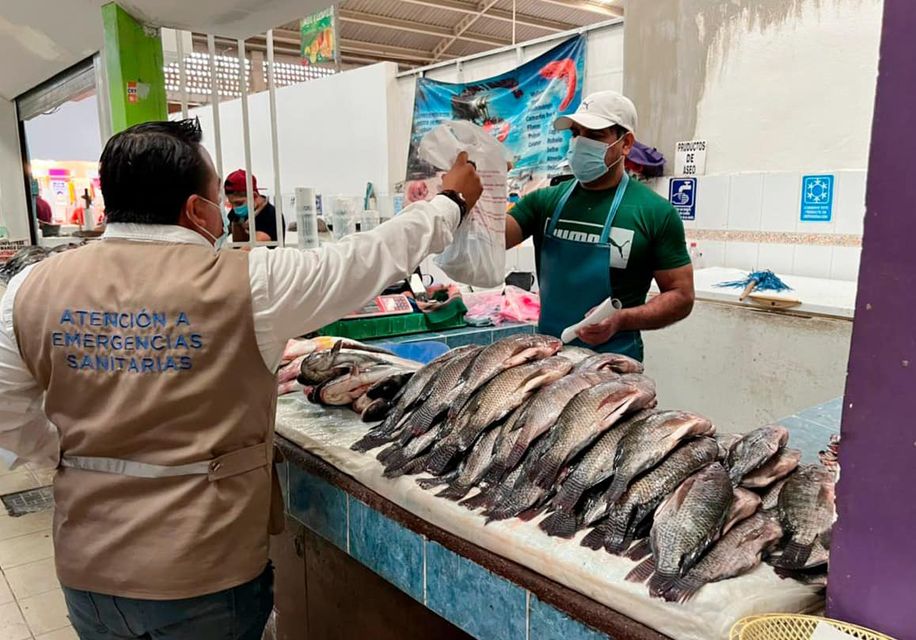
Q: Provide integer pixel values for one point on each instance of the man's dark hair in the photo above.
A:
(619, 131)
(148, 171)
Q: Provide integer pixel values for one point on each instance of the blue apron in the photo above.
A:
(576, 276)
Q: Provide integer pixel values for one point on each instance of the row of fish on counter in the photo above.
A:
(523, 429)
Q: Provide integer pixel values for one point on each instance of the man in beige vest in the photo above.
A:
(144, 366)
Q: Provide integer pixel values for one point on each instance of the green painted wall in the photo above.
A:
(133, 54)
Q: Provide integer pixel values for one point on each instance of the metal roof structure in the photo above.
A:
(416, 33)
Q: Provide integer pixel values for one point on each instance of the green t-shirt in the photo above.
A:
(647, 234)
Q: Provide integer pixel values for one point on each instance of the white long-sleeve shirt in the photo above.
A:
(293, 292)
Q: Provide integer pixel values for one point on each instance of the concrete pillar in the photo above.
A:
(872, 557)
(133, 59)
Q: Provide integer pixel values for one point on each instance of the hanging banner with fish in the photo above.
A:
(517, 107)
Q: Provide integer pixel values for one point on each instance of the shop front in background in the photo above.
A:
(61, 143)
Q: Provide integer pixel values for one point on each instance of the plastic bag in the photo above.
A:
(509, 305)
(477, 255)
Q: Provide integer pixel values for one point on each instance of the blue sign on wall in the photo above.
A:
(682, 193)
(817, 198)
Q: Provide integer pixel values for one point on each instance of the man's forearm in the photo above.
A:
(661, 311)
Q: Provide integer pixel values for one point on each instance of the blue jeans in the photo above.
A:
(239, 613)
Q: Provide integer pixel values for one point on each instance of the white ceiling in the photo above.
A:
(41, 38)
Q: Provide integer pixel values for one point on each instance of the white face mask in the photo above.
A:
(221, 240)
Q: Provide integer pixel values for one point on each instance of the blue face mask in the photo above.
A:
(221, 240)
(241, 211)
(586, 158)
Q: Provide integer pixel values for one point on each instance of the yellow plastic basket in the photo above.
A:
(794, 627)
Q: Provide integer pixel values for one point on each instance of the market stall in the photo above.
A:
(502, 579)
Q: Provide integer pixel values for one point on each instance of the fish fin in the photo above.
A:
(659, 583)
(495, 473)
(643, 571)
(454, 492)
(594, 539)
(683, 589)
(795, 555)
(432, 483)
(482, 499)
(441, 457)
(640, 550)
(560, 523)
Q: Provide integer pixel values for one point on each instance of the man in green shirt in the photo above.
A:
(604, 236)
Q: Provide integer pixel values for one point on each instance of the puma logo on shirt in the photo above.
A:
(621, 241)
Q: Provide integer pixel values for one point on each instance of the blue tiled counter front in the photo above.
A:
(455, 584)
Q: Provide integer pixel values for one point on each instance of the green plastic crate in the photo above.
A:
(386, 326)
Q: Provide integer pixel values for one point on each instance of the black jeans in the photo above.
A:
(239, 613)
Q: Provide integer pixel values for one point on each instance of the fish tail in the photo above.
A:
(454, 492)
(683, 589)
(482, 499)
(640, 550)
(560, 523)
(569, 495)
(440, 458)
(390, 453)
(643, 571)
(431, 483)
(546, 472)
(518, 451)
(594, 539)
(618, 486)
(369, 441)
(617, 542)
(795, 555)
(495, 473)
(659, 583)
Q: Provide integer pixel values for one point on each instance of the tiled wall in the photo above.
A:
(745, 220)
(472, 598)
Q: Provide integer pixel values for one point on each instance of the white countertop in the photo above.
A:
(818, 296)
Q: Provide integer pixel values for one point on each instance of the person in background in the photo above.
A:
(603, 236)
(265, 214)
(144, 365)
(44, 210)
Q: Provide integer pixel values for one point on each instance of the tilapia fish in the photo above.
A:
(726, 442)
(635, 506)
(586, 417)
(806, 510)
(744, 504)
(323, 366)
(300, 347)
(685, 525)
(616, 362)
(514, 495)
(436, 397)
(501, 355)
(596, 466)
(754, 449)
(539, 415)
(737, 552)
(407, 397)
(473, 467)
(347, 388)
(770, 497)
(776, 468)
(645, 444)
(495, 400)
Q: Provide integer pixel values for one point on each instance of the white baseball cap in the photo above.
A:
(600, 111)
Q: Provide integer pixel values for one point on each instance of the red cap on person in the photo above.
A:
(235, 183)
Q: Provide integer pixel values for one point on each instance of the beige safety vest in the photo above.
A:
(166, 411)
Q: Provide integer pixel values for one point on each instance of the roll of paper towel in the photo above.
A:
(603, 311)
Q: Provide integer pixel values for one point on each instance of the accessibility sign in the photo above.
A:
(817, 198)
(682, 193)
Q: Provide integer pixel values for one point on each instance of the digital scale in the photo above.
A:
(386, 305)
